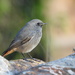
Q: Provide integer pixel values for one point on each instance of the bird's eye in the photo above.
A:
(38, 23)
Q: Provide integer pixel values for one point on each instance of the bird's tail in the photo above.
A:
(8, 51)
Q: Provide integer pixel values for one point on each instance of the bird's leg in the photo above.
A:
(28, 59)
(23, 55)
(29, 55)
(31, 58)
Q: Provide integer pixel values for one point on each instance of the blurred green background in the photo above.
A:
(13, 16)
(58, 35)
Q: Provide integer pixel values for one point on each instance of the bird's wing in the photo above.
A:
(14, 44)
(21, 40)
(23, 36)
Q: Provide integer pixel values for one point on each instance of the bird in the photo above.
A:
(26, 39)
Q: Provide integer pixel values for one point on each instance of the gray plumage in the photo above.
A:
(27, 38)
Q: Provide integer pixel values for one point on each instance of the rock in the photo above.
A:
(64, 66)
(21, 65)
(5, 67)
(67, 61)
(48, 70)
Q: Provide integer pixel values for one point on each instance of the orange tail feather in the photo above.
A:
(7, 52)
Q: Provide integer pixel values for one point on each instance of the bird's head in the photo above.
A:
(36, 23)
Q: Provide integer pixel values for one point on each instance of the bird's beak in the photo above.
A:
(44, 23)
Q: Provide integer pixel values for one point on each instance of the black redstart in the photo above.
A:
(27, 38)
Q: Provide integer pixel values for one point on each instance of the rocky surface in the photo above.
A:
(64, 66)
(5, 67)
